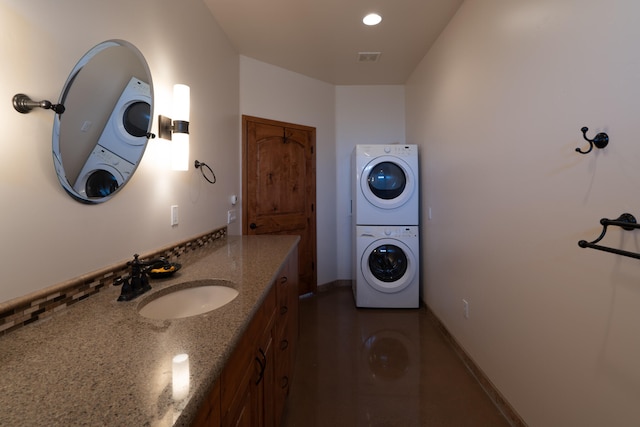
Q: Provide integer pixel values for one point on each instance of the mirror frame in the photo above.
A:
(57, 124)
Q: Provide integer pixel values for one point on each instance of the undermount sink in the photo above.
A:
(188, 299)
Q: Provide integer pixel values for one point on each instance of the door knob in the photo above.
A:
(252, 226)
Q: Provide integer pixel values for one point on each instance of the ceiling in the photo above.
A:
(322, 39)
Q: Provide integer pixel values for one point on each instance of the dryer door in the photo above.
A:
(388, 265)
(387, 182)
(135, 120)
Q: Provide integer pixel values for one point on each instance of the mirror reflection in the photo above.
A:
(101, 137)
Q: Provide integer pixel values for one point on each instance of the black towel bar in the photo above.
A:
(627, 222)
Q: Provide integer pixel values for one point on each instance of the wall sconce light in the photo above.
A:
(176, 130)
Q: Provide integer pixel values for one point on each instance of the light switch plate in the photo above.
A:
(231, 216)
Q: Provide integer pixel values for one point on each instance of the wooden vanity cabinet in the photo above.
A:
(286, 335)
(247, 379)
(254, 383)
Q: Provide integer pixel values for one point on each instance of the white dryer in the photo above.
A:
(386, 266)
(126, 131)
(102, 174)
(385, 189)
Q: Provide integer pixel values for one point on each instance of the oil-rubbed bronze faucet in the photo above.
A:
(137, 283)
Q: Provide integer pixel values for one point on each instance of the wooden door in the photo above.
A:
(279, 188)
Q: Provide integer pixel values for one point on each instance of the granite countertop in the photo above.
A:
(100, 363)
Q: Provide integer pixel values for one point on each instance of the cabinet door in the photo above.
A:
(249, 401)
(242, 413)
(209, 413)
(265, 405)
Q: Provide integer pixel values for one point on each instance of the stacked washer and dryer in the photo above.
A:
(385, 216)
(121, 144)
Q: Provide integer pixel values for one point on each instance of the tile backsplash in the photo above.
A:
(39, 305)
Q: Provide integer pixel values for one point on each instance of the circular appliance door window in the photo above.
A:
(133, 123)
(387, 354)
(101, 183)
(388, 265)
(387, 182)
(136, 119)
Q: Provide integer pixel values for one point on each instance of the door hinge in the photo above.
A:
(313, 266)
(312, 149)
(312, 207)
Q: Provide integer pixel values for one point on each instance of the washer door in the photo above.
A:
(98, 179)
(101, 183)
(387, 182)
(102, 174)
(388, 265)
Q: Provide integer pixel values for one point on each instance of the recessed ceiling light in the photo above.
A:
(372, 19)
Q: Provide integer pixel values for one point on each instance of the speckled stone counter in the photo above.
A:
(100, 363)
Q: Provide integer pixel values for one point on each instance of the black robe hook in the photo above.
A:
(600, 141)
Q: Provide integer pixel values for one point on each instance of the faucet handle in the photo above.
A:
(135, 260)
(120, 280)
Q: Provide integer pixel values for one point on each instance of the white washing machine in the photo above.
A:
(386, 266)
(385, 190)
(126, 131)
(102, 174)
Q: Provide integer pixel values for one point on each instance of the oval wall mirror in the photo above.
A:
(100, 138)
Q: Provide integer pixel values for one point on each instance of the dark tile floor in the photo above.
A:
(379, 367)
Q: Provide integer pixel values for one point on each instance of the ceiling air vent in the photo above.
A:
(368, 56)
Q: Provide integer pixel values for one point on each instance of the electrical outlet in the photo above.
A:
(174, 215)
(465, 308)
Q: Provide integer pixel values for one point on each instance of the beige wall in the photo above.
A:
(364, 115)
(497, 106)
(46, 237)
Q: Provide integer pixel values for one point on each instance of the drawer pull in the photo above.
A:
(261, 374)
(284, 344)
(263, 366)
(284, 309)
(284, 382)
(283, 279)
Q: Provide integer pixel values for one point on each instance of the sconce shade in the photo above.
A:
(176, 130)
(181, 101)
(180, 152)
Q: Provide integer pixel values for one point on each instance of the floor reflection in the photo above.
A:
(379, 368)
(389, 368)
